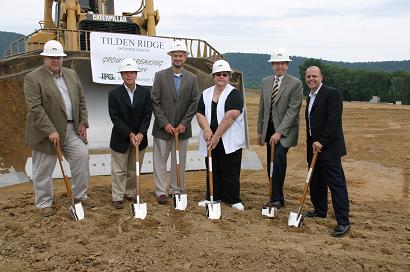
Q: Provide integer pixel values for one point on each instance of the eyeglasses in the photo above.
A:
(221, 74)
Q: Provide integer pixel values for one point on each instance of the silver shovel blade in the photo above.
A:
(77, 211)
(295, 220)
(139, 210)
(270, 212)
(213, 210)
(180, 201)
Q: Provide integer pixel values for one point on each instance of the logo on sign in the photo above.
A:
(106, 76)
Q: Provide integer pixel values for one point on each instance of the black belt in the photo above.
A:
(70, 121)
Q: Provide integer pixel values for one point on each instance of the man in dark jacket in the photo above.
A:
(130, 110)
(325, 134)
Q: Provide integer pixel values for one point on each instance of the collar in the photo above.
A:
(174, 70)
(129, 90)
(280, 77)
(315, 93)
(56, 76)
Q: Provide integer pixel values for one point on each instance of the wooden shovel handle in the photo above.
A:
(308, 178)
(272, 159)
(60, 162)
(137, 170)
(210, 174)
(177, 159)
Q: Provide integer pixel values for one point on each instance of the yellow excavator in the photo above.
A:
(71, 22)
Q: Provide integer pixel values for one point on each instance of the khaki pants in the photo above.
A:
(123, 173)
(161, 151)
(76, 153)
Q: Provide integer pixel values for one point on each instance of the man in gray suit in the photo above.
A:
(56, 117)
(278, 119)
(174, 98)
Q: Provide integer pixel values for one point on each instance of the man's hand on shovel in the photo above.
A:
(138, 138)
(181, 129)
(317, 146)
(170, 129)
(275, 138)
(133, 139)
(54, 138)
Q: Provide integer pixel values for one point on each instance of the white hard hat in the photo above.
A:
(221, 66)
(53, 48)
(178, 45)
(128, 65)
(279, 55)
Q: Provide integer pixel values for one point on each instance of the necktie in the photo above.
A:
(275, 90)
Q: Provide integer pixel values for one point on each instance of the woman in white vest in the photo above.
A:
(220, 116)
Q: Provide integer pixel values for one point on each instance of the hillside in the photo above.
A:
(6, 38)
(255, 66)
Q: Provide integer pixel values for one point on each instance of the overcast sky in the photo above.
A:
(349, 30)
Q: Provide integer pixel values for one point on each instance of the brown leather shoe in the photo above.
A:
(118, 204)
(46, 212)
(88, 203)
(162, 199)
(131, 198)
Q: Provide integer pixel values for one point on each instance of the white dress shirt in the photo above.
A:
(280, 80)
(130, 92)
(312, 97)
(62, 87)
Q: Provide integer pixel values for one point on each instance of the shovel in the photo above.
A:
(296, 218)
(76, 209)
(268, 210)
(180, 200)
(139, 210)
(213, 209)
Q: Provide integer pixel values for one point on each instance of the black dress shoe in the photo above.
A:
(340, 230)
(313, 214)
(276, 204)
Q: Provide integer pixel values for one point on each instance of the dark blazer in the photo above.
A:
(128, 118)
(46, 111)
(171, 108)
(326, 124)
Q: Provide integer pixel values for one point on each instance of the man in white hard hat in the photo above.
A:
(56, 117)
(174, 98)
(130, 111)
(278, 119)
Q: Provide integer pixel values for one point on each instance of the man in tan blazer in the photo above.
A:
(278, 119)
(56, 116)
(174, 98)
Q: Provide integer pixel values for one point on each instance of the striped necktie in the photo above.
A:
(275, 90)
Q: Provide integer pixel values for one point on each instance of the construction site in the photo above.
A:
(377, 168)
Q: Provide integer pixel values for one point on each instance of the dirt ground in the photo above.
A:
(378, 174)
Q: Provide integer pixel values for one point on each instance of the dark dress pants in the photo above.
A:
(279, 166)
(329, 173)
(226, 170)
